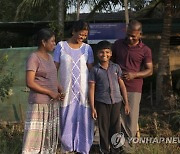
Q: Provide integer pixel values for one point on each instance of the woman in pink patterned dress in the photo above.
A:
(42, 120)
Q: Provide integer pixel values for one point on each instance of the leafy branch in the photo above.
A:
(6, 78)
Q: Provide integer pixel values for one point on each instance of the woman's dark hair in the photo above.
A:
(44, 34)
(103, 45)
(80, 25)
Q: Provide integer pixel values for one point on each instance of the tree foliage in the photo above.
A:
(8, 9)
(6, 78)
(40, 10)
(155, 9)
(37, 10)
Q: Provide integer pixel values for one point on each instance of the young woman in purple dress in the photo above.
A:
(73, 59)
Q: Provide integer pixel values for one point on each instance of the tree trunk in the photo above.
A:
(164, 92)
(78, 9)
(126, 12)
(61, 8)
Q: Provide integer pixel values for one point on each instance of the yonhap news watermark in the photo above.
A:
(118, 140)
(153, 140)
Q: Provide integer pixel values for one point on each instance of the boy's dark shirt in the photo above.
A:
(131, 59)
(107, 88)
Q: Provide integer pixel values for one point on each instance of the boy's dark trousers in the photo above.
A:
(109, 124)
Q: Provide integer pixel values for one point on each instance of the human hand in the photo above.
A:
(55, 95)
(62, 96)
(127, 109)
(60, 89)
(94, 114)
(129, 75)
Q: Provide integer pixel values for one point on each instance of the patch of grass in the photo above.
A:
(160, 148)
(175, 121)
(152, 122)
(11, 138)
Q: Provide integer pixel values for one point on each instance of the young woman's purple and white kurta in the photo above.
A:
(75, 114)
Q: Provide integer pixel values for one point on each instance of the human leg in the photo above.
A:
(114, 125)
(103, 113)
(76, 128)
(129, 122)
(41, 129)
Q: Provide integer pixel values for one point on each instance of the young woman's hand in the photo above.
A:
(62, 96)
(94, 114)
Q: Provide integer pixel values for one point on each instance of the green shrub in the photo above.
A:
(175, 121)
(11, 139)
(6, 78)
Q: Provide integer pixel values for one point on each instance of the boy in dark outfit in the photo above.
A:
(107, 91)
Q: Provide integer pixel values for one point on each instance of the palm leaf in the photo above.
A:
(102, 4)
(26, 5)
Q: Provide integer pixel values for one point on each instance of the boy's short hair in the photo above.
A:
(103, 45)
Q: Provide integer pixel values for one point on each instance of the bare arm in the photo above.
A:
(30, 77)
(142, 74)
(91, 99)
(90, 66)
(60, 88)
(57, 65)
(124, 95)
